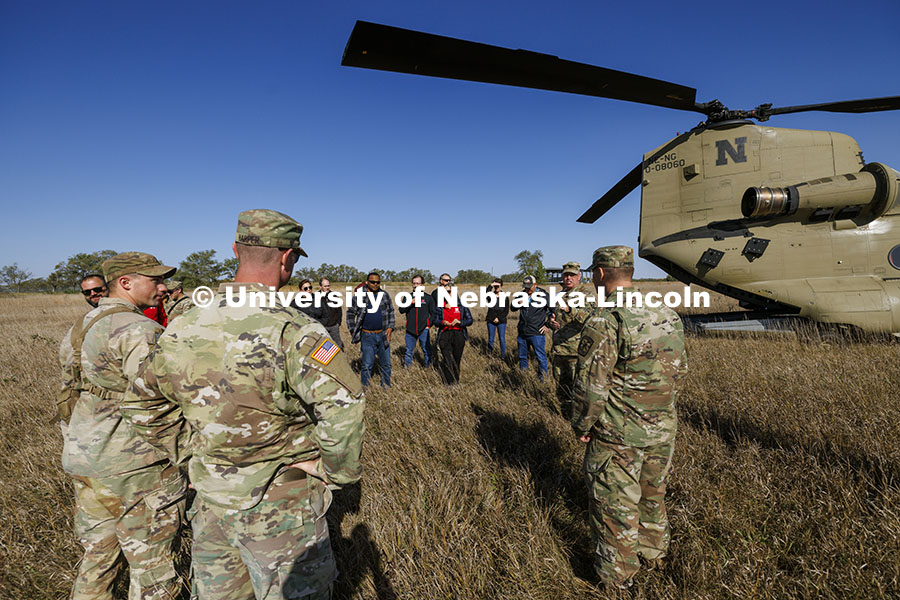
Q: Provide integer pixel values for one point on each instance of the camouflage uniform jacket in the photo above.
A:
(629, 360)
(565, 339)
(178, 307)
(97, 443)
(242, 391)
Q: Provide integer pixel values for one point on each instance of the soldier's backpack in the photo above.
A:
(68, 395)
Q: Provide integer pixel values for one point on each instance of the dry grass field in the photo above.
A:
(786, 481)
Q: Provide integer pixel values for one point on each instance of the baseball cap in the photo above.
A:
(572, 267)
(613, 256)
(135, 262)
(264, 227)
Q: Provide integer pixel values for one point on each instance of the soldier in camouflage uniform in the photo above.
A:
(566, 322)
(266, 410)
(629, 360)
(177, 303)
(129, 498)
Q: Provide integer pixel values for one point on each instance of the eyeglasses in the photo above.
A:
(374, 282)
(306, 288)
(445, 281)
(96, 290)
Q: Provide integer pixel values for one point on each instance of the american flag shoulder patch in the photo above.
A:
(325, 352)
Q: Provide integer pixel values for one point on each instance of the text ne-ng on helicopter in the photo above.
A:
(792, 223)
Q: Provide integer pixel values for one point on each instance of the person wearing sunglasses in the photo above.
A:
(445, 281)
(566, 323)
(496, 318)
(371, 329)
(93, 287)
(452, 321)
(318, 313)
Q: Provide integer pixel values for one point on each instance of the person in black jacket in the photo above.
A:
(418, 320)
(445, 282)
(452, 322)
(533, 325)
(319, 313)
(335, 314)
(496, 318)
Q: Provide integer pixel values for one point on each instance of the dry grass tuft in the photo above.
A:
(786, 480)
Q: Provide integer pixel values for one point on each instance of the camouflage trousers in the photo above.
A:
(627, 508)
(564, 373)
(135, 516)
(278, 549)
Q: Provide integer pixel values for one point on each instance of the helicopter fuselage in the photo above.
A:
(832, 257)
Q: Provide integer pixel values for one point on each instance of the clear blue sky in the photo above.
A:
(150, 125)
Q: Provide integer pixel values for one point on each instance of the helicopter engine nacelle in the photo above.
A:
(839, 197)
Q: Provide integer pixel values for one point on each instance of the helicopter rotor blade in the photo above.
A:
(847, 106)
(375, 46)
(614, 195)
(631, 180)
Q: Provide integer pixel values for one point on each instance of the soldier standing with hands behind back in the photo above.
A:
(265, 406)
(629, 360)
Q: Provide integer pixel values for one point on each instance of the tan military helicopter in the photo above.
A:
(792, 223)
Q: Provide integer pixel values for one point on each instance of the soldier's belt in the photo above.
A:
(373, 330)
(103, 393)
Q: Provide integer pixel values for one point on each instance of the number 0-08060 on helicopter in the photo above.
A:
(792, 223)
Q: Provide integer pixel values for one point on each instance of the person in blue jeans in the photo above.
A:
(418, 320)
(372, 330)
(496, 318)
(532, 326)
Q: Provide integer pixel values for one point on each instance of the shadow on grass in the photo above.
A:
(872, 471)
(358, 554)
(481, 345)
(558, 487)
(511, 377)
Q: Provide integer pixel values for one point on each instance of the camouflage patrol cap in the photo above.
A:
(264, 227)
(613, 256)
(572, 267)
(135, 262)
(173, 285)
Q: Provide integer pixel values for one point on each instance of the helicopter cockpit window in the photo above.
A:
(894, 257)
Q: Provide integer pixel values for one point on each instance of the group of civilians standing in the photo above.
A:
(372, 328)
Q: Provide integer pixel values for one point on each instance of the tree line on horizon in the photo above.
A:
(202, 268)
